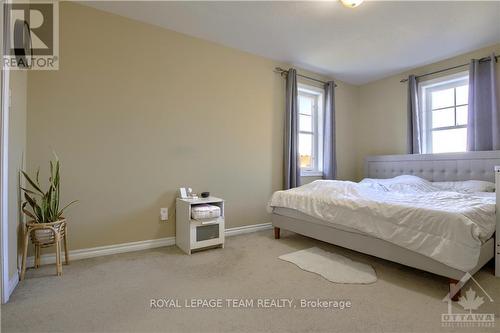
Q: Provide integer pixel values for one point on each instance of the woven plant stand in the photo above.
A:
(45, 235)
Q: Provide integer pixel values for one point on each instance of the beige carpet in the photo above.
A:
(113, 293)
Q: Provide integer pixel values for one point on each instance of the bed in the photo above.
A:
(339, 229)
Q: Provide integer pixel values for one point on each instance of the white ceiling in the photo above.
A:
(372, 41)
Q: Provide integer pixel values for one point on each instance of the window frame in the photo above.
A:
(426, 89)
(317, 129)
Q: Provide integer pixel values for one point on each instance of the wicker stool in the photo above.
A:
(45, 235)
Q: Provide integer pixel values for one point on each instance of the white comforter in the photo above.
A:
(446, 226)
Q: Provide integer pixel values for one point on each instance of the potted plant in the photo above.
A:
(47, 226)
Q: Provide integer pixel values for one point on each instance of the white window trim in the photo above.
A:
(425, 89)
(317, 170)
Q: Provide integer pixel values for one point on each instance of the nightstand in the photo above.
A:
(191, 234)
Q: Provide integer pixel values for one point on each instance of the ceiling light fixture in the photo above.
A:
(351, 3)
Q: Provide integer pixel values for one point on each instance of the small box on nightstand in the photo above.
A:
(193, 234)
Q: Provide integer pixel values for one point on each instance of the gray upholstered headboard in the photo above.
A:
(478, 165)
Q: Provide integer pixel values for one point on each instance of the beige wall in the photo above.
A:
(17, 151)
(381, 119)
(136, 111)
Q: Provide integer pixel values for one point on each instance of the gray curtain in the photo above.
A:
(483, 127)
(329, 158)
(292, 166)
(414, 134)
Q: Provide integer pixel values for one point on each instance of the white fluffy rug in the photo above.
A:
(331, 266)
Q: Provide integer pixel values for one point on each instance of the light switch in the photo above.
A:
(164, 214)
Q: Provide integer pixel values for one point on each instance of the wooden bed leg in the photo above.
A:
(276, 233)
(453, 283)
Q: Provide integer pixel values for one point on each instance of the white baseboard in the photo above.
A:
(105, 250)
(135, 246)
(247, 229)
(13, 282)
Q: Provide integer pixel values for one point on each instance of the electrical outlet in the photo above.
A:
(164, 214)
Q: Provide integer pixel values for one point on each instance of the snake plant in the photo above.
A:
(44, 205)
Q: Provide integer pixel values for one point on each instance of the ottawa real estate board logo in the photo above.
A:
(470, 302)
(31, 35)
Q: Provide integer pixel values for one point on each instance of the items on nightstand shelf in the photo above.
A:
(199, 223)
(187, 193)
(205, 211)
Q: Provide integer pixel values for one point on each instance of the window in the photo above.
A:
(310, 130)
(444, 105)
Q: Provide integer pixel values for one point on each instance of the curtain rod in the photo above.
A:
(449, 68)
(283, 72)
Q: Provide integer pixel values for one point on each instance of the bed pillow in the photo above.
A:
(404, 183)
(374, 184)
(467, 186)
